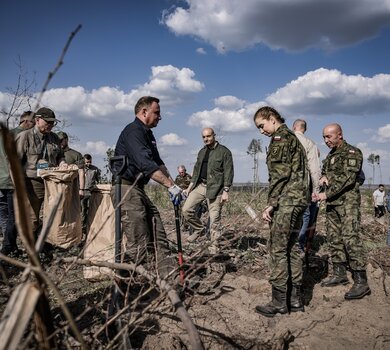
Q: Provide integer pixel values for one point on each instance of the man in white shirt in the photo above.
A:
(379, 201)
(312, 154)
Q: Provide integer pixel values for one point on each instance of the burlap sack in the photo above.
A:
(100, 244)
(65, 230)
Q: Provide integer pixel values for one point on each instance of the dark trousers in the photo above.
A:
(144, 230)
(7, 219)
(84, 210)
(36, 194)
(379, 211)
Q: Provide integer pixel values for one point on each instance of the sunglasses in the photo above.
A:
(50, 122)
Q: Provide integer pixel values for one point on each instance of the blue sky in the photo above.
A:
(212, 63)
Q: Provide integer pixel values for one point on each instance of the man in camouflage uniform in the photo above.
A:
(73, 157)
(288, 197)
(183, 179)
(340, 175)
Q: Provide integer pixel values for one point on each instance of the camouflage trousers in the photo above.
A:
(285, 262)
(144, 230)
(343, 232)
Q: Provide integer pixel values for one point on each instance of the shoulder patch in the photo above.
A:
(352, 162)
(277, 138)
(352, 151)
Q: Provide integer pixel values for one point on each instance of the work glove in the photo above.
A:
(175, 194)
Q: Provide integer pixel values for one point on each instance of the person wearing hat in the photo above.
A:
(73, 157)
(26, 121)
(38, 148)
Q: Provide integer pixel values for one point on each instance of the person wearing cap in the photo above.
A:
(26, 121)
(73, 157)
(38, 148)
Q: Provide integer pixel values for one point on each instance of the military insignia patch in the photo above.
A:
(277, 138)
(351, 151)
(352, 162)
(274, 151)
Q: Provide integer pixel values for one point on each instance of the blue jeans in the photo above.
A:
(308, 220)
(7, 219)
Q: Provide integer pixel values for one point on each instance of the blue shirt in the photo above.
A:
(138, 144)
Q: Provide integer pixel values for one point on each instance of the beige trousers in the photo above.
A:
(196, 196)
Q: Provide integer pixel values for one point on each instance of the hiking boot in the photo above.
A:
(296, 303)
(193, 237)
(11, 252)
(339, 276)
(277, 305)
(360, 286)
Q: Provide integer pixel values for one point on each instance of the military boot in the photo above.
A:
(339, 276)
(296, 303)
(277, 305)
(360, 286)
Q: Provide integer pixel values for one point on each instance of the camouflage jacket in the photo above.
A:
(183, 181)
(342, 167)
(287, 168)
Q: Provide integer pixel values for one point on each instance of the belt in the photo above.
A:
(131, 183)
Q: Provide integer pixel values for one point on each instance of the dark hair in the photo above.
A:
(87, 156)
(381, 185)
(28, 115)
(145, 101)
(266, 112)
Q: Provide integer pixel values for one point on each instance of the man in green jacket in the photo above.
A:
(211, 180)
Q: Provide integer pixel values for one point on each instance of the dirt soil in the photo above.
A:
(223, 293)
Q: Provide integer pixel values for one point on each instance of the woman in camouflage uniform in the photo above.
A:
(288, 197)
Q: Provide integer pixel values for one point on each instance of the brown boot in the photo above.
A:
(360, 286)
(339, 276)
(296, 303)
(278, 305)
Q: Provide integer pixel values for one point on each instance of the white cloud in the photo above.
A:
(229, 102)
(230, 115)
(201, 51)
(287, 24)
(383, 134)
(367, 150)
(112, 105)
(172, 140)
(95, 148)
(325, 91)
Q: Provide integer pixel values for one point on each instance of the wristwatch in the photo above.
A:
(226, 189)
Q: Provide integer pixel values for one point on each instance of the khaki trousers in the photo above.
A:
(197, 196)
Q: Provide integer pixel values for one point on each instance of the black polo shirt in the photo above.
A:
(137, 142)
